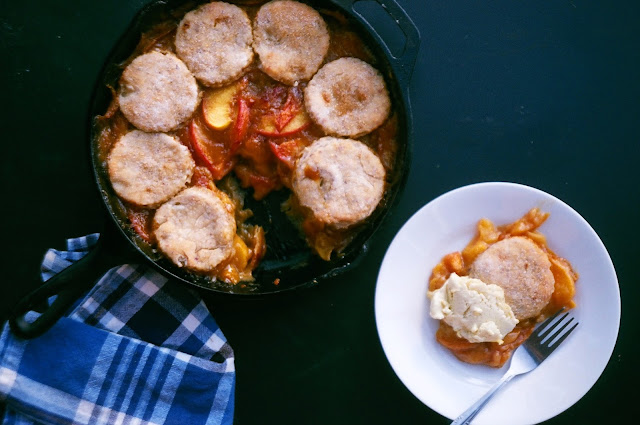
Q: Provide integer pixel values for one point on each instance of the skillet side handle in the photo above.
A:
(68, 285)
(405, 61)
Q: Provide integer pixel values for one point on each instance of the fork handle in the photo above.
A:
(468, 415)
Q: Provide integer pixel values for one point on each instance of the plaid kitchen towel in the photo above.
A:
(136, 350)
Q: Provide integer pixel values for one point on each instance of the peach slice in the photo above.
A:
(287, 151)
(241, 125)
(217, 106)
(268, 126)
(212, 154)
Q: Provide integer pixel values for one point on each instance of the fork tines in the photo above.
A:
(547, 332)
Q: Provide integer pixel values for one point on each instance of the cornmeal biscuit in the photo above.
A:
(157, 92)
(347, 97)
(523, 271)
(291, 40)
(340, 180)
(214, 41)
(196, 228)
(147, 169)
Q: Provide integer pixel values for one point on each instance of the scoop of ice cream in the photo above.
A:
(476, 311)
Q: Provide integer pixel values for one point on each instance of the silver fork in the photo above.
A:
(540, 344)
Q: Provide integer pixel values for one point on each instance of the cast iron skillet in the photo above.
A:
(288, 257)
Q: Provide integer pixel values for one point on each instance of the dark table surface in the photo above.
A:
(544, 93)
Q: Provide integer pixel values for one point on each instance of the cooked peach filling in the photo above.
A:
(492, 353)
(251, 131)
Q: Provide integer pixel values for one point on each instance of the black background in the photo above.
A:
(544, 93)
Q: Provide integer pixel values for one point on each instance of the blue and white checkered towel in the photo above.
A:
(137, 350)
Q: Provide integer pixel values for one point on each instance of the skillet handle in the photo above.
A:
(68, 285)
(405, 61)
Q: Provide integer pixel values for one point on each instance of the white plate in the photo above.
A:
(430, 371)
